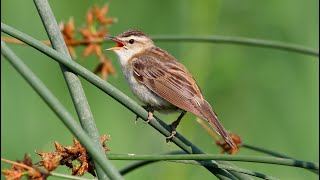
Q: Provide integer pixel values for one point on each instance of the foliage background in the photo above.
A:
(269, 97)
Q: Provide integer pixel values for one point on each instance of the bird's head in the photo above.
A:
(130, 43)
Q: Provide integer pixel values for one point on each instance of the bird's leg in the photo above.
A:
(174, 126)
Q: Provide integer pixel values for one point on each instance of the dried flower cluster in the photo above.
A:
(220, 142)
(93, 34)
(24, 167)
(226, 148)
(66, 155)
(63, 155)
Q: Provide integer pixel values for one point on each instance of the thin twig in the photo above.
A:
(17, 41)
(209, 130)
(17, 164)
(82, 42)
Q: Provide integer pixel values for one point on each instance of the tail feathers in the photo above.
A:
(216, 125)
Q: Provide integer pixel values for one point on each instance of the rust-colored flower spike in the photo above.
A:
(104, 68)
(100, 14)
(65, 155)
(226, 148)
(24, 167)
(91, 33)
(94, 40)
(220, 142)
(67, 30)
(89, 17)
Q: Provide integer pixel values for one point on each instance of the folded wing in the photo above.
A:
(172, 81)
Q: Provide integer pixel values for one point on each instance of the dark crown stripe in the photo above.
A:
(132, 33)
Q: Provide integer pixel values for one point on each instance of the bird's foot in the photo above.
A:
(174, 126)
(150, 114)
(169, 138)
(150, 117)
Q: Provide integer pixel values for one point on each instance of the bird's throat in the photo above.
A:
(124, 56)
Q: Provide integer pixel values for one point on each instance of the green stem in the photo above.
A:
(139, 164)
(243, 158)
(57, 107)
(241, 41)
(133, 106)
(272, 153)
(266, 151)
(227, 167)
(68, 176)
(74, 85)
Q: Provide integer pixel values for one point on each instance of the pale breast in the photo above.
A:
(145, 94)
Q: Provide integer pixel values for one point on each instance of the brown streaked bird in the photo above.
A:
(161, 82)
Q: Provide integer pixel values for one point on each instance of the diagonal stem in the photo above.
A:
(133, 106)
(272, 153)
(57, 108)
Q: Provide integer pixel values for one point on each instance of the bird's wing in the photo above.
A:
(172, 81)
(169, 80)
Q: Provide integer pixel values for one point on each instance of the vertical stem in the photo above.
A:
(75, 88)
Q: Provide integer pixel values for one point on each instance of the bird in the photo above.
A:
(161, 82)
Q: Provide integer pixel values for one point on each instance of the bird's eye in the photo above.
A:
(131, 41)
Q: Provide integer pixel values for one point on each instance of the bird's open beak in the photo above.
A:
(120, 44)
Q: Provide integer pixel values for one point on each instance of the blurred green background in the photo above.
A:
(269, 97)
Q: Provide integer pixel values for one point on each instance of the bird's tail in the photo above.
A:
(216, 125)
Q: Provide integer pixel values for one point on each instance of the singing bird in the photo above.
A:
(161, 82)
